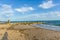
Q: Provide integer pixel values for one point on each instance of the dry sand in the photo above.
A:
(27, 32)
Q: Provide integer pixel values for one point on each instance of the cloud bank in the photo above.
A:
(6, 10)
(24, 9)
(48, 4)
(53, 15)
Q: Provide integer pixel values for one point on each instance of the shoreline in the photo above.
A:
(28, 32)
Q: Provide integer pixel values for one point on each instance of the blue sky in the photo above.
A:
(29, 10)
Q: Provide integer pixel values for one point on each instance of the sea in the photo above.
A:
(52, 22)
(50, 25)
(49, 22)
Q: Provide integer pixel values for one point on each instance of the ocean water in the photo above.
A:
(49, 27)
(52, 22)
(56, 22)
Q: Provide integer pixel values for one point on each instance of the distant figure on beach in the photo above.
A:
(5, 37)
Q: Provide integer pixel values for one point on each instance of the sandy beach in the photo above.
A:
(26, 32)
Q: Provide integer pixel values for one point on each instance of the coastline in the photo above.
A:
(27, 32)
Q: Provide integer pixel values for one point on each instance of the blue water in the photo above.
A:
(49, 27)
(52, 22)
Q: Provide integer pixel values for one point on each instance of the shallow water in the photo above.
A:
(50, 27)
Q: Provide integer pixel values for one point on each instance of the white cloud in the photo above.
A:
(56, 13)
(46, 5)
(53, 15)
(24, 9)
(6, 10)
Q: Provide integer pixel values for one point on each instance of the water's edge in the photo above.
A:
(49, 27)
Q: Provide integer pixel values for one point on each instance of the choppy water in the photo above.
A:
(56, 22)
(50, 27)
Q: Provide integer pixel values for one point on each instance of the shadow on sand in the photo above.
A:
(5, 37)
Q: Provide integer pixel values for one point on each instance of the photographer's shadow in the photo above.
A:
(5, 37)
